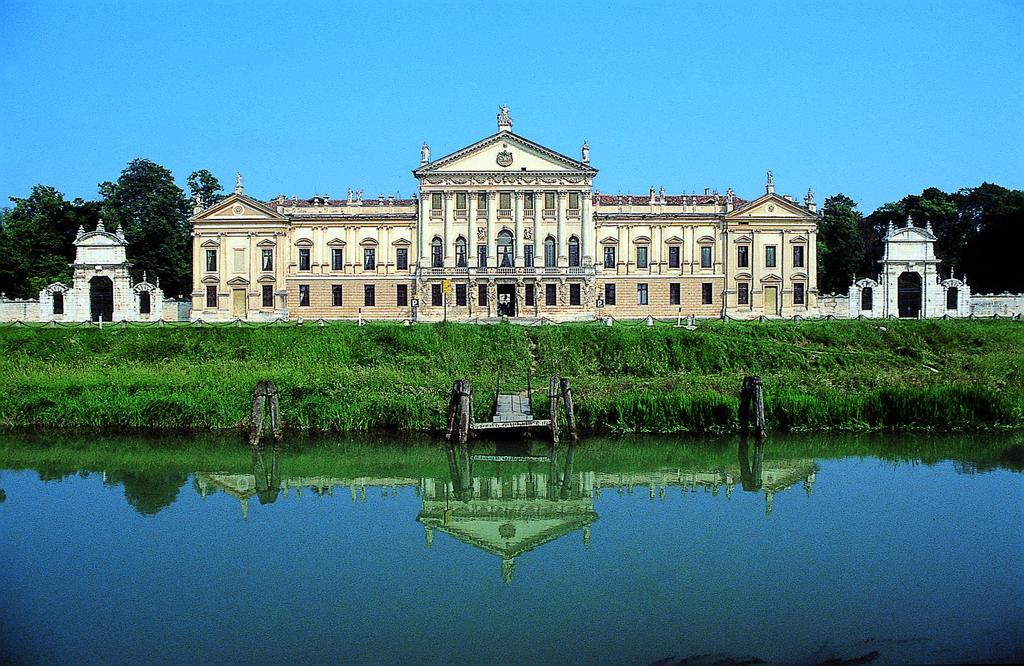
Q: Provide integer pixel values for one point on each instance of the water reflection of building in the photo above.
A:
(509, 514)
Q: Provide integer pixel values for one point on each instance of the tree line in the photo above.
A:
(979, 232)
(37, 233)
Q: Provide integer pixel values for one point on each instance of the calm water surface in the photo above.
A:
(629, 557)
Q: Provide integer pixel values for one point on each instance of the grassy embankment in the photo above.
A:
(838, 375)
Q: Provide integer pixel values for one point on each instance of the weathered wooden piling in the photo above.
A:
(553, 391)
(752, 404)
(570, 415)
(465, 392)
(265, 399)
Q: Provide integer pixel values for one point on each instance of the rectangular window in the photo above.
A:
(268, 295)
(705, 293)
(337, 259)
(504, 200)
(528, 255)
(769, 256)
(58, 302)
(460, 201)
(549, 201)
(549, 253)
(550, 295)
(743, 256)
(369, 296)
(481, 201)
(303, 258)
(267, 260)
(705, 256)
(641, 256)
(798, 256)
(211, 296)
(238, 257)
(304, 295)
(436, 255)
(460, 295)
(369, 258)
(337, 295)
(574, 200)
(609, 257)
(435, 201)
(436, 298)
(528, 295)
(673, 256)
(143, 302)
(673, 293)
(574, 294)
(952, 297)
(211, 261)
(402, 258)
(743, 293)
(460, 254)
(481, 295)
(609, 293)
(529, 200)
(798, 293)
(574, 253)
(481, 256)
(641, 293)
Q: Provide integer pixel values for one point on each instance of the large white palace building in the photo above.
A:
(505, 227)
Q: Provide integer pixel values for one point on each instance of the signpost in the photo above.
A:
(446, 289)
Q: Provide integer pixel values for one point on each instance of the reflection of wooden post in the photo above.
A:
(553, 408)
(570, 416)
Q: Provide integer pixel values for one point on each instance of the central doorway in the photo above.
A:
(238, 303)
(506, 300)
(908, 295)
(101, 298)
(771, 300)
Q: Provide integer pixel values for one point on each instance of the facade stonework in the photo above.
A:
(504, 227)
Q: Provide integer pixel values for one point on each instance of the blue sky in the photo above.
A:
(873, 99)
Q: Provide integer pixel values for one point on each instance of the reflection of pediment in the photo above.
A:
(508, 528)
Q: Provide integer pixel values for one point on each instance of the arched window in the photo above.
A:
(436, 253)
(549, 252)
(506, 249)
(58, 302)
(574, 251)
(144, 304)
(866, 299)
(952, 296)
(460, 252)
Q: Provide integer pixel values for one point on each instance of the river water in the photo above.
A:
(624, 551)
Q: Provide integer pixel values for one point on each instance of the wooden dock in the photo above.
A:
(512, 412)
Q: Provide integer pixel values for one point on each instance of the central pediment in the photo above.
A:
(505, 152)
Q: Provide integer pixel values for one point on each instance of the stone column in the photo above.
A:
(622, 250)
(586, 229)
(538, 241)
(812, 270)
(471, 239)
(384, 250)
(422, 237)
(449, 236)
(689, 241)
(562, 240)
(492, 222)
(518, 202)
(350, 249)
(657, 247)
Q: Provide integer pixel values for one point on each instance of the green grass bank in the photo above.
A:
(819, 375)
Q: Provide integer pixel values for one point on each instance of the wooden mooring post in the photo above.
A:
(570, 415)
(553, 394)
(460, 412)
(264, 399)
(752, 400)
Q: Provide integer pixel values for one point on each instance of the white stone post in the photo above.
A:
(586, 229)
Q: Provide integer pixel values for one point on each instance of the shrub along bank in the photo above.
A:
(818, 375)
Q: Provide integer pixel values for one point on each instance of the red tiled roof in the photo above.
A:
(670, 200)
(289, 201)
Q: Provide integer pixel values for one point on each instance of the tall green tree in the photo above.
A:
(154, 213)
(840, 246)
(206, 186)
(36, 240)
(994, 218)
